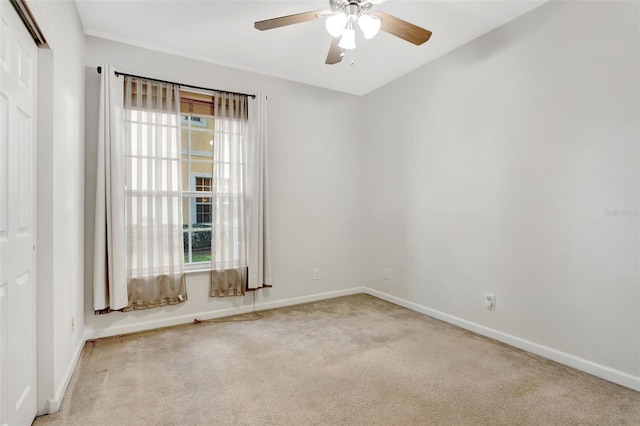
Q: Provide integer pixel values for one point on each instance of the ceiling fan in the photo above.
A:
(342, 19)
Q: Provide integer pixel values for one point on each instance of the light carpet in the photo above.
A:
(354, 360)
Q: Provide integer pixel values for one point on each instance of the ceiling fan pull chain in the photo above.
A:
(353, 61)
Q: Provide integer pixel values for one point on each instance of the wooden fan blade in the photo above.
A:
(403, 29)
(335, 52)
(282, 21)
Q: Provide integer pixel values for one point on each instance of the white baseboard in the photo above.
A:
(53, 404)
(207, 315)
(311, 298)
(578, 363)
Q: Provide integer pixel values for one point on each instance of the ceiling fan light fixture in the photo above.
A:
(370, 25)
(335, 23)
(348, 40)
(341, 20)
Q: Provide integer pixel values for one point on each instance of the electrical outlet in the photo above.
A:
(386, 273)
(490, 301)
(316, 274)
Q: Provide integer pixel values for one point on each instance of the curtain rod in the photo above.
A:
(179, 84)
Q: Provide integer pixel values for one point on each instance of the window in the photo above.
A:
(213, 166)
(197, 134)
(186, 177)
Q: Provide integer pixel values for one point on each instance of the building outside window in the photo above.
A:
(203, 204)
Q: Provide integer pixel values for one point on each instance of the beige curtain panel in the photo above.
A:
(228, 282)
(153, 211)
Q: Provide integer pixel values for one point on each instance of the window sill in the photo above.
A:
(199, 270)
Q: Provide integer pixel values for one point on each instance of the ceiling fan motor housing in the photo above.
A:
(350, 7)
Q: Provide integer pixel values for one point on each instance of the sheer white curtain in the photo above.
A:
(240, 231)
(229, 188)
(110, 247)
(257, 195)
(155, 263)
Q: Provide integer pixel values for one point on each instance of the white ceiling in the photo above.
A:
(222, 32)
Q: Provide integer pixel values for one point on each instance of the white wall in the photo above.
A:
(492, 170)
(60, 224)
(315, 182)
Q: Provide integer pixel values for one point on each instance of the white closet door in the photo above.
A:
(18, 76)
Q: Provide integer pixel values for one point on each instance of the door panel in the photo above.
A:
(25, 377)
(23, 177)
(4, 365)
(4, 44)
(4, 165)
(18, 67)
